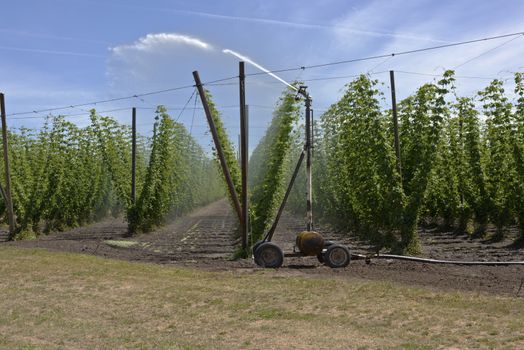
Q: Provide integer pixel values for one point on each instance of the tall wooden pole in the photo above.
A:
(218, 147)
(243, 153)
(312, 133)
(8, 197)
(309, 200)
(395, 121)
(133, 156)
(247, 133)
(238, 151)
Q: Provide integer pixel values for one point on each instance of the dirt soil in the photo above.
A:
(206, 239)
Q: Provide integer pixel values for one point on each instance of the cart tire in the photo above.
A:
(255, 247)
(337, 256)
(269, 255)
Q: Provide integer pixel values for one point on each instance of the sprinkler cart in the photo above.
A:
(308, 242)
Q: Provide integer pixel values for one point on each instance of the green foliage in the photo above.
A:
(421, 118)
(114, 143)
(517, 139)
(457, 168)
(178, 177)
(443, 197)
(296, 201)
(227, 149)
(58, 178)
(357, 179)
(499, 148)
(65, 176)
(472, 177)
(360, 173)
(269, 159)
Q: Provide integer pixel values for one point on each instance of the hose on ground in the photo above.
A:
(434, 261)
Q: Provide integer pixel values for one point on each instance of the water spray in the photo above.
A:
(253, 63)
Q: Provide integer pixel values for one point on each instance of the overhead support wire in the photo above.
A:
(194, 112)
(219, 82)
(102, 101)
(185, 106)
(378, 65)
(87, 113)
(94, 103)
(400, 53)
(439, 75)
(488, 51)
(387, 71)
(75, 114)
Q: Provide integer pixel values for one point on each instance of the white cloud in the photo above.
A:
(156, 60)
(161, 41)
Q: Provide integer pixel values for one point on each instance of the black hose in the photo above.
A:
(435, 261)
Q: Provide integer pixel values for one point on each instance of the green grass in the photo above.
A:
(57, 300)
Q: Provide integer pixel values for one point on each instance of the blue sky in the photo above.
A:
(65, 52)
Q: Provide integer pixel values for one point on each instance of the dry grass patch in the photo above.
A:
(121, 244)
(57, 300)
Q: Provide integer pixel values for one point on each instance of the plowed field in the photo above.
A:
(206, 239)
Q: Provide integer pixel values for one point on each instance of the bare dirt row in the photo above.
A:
(206, 239)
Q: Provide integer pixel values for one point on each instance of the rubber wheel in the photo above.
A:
(337, 256)
(255, 247)
(268, 255)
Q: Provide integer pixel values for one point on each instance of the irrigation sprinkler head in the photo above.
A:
(302, 91)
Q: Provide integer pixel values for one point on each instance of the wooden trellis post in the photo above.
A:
(7, 193)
